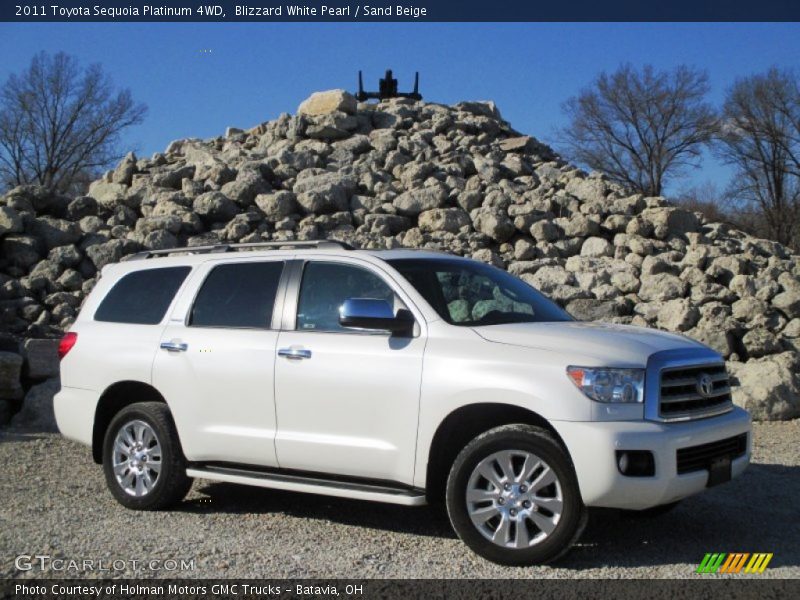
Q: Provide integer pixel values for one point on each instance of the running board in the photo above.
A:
(312, 485)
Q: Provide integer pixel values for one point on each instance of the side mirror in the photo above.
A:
(370, 313)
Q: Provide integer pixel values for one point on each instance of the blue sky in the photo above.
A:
(199, 78)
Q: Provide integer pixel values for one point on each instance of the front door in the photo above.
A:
(347, 401)
(216, 360)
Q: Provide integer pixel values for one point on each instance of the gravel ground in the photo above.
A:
(53, 501)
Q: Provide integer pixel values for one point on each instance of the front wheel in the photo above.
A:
(513, 497)
(142, 458)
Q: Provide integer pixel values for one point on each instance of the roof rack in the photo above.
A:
(221, 248)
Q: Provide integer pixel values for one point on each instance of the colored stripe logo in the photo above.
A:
(735, 562)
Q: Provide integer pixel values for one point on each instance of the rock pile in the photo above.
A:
(404, 173)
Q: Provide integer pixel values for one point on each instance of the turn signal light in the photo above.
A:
(66, 343)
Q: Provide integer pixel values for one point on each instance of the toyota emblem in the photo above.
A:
(705, 385)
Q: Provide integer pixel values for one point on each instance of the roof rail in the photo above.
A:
(221, 248)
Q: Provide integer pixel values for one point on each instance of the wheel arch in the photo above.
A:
(116, 397)
(465, 423)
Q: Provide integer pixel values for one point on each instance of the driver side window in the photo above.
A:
(325, 287)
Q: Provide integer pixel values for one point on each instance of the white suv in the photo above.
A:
(396, 376)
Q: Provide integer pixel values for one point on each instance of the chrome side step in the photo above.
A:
(311, 485)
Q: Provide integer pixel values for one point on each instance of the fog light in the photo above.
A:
(636, 463)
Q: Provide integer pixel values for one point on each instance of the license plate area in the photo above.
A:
(719, 471)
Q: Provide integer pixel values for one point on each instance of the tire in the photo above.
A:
(147, 437)
(649, 513)
(524, 446)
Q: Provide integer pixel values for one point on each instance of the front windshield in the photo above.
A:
(471, 294)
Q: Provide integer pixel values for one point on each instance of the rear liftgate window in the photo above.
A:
(142, 297)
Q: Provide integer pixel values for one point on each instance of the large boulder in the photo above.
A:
(123, 174)
(108, 194)
(54, 232)
(278, 205)
(41, 358)
(444, 219)
(597, 246)
(413, 202)
(37, 408)
(788, 302)
(331, 101)
(494, 223)
(768, 387)
(10, 221)
(244, 189)
(670, 220)
(661, 286)
(591, 309)
(21, 250)
(215, 206)
(677, 315)
(323, 191)
(10, 370)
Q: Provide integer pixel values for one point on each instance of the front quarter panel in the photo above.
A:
(462, 368)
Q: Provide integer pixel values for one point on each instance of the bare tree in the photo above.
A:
(719, 206)
(640, 127)
(760, 138)
(59, 122)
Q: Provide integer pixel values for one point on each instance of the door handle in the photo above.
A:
(174, 346)
(294, 353)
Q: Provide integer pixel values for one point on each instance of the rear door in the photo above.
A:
(216, 360)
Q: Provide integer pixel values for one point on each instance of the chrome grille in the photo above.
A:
(693, 392)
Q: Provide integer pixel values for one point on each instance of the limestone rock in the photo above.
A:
(768, 387)
(444, 219)
(41, 358)
(37, 408)
(10, 370)
(323, 103)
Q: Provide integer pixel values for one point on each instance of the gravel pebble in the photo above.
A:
(54, 501)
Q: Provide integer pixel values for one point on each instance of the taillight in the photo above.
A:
(66, 343)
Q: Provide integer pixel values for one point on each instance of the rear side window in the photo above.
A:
(142, 297)
(238, 295)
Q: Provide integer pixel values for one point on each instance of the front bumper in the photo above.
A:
(593, 446)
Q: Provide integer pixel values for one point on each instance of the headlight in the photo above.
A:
(609, 385)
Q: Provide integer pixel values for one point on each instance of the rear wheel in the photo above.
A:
(142, 459)
(513, 497)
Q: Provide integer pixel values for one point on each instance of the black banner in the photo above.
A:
(399, 10)
(709, 588)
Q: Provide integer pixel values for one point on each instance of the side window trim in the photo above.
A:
(277, 309)
(294, 276)
(293, 295)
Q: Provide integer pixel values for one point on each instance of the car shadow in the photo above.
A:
(757, 512)
(428, 521)
(19, 435)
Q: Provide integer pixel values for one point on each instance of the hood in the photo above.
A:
(607, 344)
